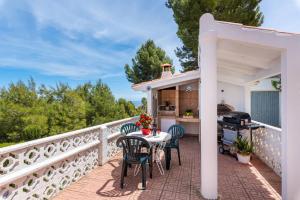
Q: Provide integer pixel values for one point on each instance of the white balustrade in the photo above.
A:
(39, 169)
(267, 146)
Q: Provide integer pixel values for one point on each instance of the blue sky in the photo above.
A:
(75, 41)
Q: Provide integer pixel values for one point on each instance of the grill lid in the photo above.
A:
(236, 117)
(224, 109)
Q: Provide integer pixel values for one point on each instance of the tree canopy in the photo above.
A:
(147, 63)
(29, 112)
(186, 14)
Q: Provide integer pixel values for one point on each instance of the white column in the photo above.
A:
(149, 101)
(102, 153)
(199, 108)
(290, 69)
(247, 100)
(209, 165)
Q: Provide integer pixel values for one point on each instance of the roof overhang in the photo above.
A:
(168, 82)
(246, 54)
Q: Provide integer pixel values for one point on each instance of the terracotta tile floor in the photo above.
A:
(236, 181)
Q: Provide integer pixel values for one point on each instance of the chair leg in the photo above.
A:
(151, 162)
(144, 176)
(129, 165)
(126, 169)
(168, 157)
(150, 166)
(178, 152)
(123, 174)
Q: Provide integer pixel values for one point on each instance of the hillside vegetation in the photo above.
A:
(29, 112)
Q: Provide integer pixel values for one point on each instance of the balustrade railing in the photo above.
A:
(39, 169)
(267, 146)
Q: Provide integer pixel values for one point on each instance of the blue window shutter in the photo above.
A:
(265, 107)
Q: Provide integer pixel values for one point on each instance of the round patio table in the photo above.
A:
(160, 137)
(157, 141)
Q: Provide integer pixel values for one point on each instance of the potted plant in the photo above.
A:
(188, 114)
(144, 122)
(244, 150)
(167, 105)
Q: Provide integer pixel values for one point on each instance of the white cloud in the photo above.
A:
(116, 18)
(2, 2)
(101, 34)
(70, 60)
(281, 16)
(297, 2)
(113, 22)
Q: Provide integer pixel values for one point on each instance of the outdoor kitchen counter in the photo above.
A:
(193, 120)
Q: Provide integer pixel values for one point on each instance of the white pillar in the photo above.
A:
(247, 100)
(209, 165)
(102, 150)
(290, 69)
(149, 101)
(199, 108)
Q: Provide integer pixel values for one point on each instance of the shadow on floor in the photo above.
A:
(111, 188)
(236, 181)
(253, 181)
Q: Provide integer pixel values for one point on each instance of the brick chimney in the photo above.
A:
(166, 70)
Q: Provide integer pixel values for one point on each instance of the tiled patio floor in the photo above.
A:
(236, 181)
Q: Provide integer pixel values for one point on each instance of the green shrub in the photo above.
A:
(28, 112)
(243, 146)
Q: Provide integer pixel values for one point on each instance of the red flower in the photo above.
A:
(138, 123)
(145, 120)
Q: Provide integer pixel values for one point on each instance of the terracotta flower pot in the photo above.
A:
(145, 131)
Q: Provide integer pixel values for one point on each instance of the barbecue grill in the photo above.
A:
(232, 125)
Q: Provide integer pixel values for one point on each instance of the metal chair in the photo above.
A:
(158, 150)
(136, 151)
(177, 131)
(129, 128)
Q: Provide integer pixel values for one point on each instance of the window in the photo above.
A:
(265, 107)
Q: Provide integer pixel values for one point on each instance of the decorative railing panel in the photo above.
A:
(41, 150)
(39, 169)
(267, 146)
(48, 181)
(113, 135)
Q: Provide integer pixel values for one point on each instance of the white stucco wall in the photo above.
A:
(232, 95)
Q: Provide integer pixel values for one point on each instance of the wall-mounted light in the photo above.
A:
(188, 88)
(222, 97)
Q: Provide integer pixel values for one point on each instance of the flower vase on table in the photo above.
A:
(144, 122)
(146, 131)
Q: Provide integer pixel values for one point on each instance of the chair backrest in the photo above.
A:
(129, 128)
(133, 146)
(177, 131)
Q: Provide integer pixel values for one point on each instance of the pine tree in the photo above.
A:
(147, 63)
(27, 113)
(186, 14)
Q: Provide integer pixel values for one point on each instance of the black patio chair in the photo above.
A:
(136, 151)
(129, 128)
(177, 131)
